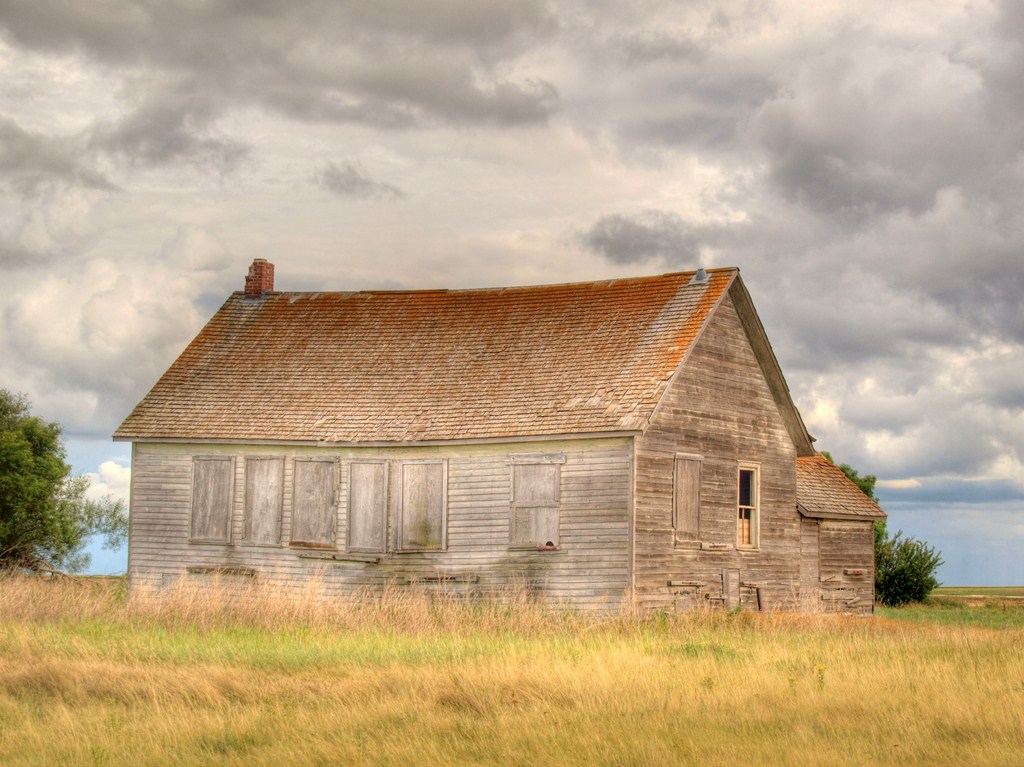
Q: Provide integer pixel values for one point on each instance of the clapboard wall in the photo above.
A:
(720, 412)
(847, 565)
(588, 568)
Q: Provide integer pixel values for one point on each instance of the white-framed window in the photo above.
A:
(212, 492)
(536, 486)
(314, 509)
(422, 495)
(748, 505)
(686, 496)
(264, 493)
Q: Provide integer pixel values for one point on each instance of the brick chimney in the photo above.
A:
(260, 278)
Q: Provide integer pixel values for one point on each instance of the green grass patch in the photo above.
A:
(980, 591)
(950, 611)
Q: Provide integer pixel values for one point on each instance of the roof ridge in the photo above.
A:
(502, 288)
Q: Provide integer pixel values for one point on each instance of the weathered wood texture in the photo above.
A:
(810, 567)
(847, 562)
(535, 504)
(687, 497)
(314, 507)
(211, 498)
(264, 496)
(721, 408)
(367, 506)
(379, 494)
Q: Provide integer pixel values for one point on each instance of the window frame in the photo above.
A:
(228, 511)
(557, 460)
(753, 509)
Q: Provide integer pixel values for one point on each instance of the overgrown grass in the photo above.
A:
(90, 678)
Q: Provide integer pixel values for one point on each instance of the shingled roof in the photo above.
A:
(823, 491)
(413, 366)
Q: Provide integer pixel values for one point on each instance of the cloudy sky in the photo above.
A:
(861, 162)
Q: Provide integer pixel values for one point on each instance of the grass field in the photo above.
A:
(87, 678)
(992, 592)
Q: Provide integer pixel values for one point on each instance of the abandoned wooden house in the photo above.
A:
(631, 439)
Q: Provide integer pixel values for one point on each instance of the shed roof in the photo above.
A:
(412, 366)
(823, 491)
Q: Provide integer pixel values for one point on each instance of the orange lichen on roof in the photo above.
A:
(823, 490)
(399, 366)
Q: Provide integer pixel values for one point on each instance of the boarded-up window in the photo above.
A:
(313, 510)
(264, 489)
(423, 499)
(686, 506)
(534, 519)
(747, 518)
(212, 482)
(367, 506)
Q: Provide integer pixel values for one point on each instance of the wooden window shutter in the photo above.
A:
(534, 519)
(686, 496)
(313, 509)
(367, 506)
(264, 490)
(423, 498)
(212, 484)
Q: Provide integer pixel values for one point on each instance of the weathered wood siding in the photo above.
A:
(590, 568)
(847, 560)
(719, 408)
(810, 567)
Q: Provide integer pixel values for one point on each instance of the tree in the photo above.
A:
(45, 517)
(904, 570)
(904, 567)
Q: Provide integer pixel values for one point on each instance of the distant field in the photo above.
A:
(89, 679)
(980, 591)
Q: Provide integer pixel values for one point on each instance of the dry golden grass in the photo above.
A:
(87, 678)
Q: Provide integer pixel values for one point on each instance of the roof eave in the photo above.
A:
(382, 443)
(850, 517)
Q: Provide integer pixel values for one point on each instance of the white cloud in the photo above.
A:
(898, 484)
(113, 478)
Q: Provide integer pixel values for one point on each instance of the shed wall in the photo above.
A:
(847, 566)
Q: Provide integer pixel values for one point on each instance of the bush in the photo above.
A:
(904, 569)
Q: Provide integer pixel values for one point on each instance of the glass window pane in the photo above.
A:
(746, 487)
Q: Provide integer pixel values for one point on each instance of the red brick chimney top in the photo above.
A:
(260, 278)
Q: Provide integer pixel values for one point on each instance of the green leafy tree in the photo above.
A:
(45, 517)
(904, 570)
(904, 567)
